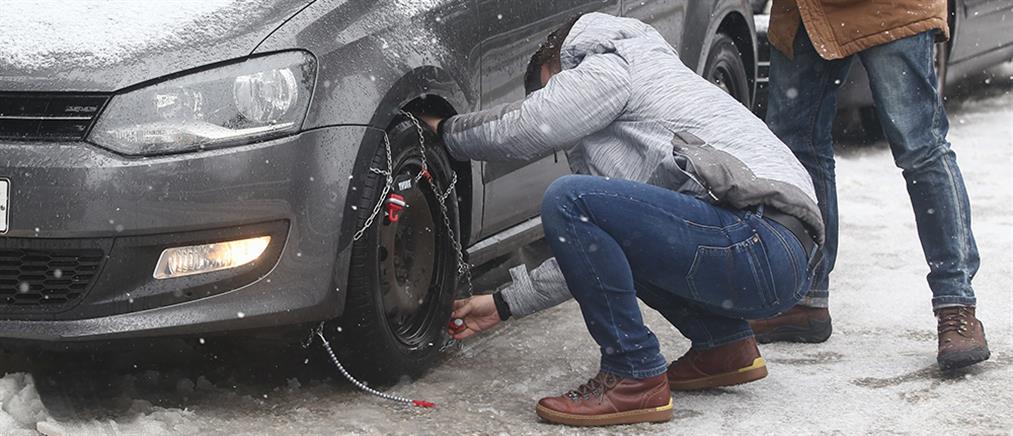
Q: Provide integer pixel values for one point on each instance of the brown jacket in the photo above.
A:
(840, 28)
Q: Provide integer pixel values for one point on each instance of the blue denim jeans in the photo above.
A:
(705, 268)
(803, 102)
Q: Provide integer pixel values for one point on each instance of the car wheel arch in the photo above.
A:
(733, 23)
(429, 89)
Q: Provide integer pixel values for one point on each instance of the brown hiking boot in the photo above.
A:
(798, 324)
(609, 400)
(961, 338)
(725, 365)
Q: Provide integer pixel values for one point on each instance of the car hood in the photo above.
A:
(103, 45)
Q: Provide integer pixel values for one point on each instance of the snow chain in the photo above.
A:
(463, 269)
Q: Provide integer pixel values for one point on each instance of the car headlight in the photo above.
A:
(257, 99)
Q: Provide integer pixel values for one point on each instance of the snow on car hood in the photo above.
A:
(104, 45)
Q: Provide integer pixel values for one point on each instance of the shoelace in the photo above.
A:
(955, 321)
(594, 387)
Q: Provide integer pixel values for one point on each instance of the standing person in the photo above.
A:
(815, 42)
(684, 200)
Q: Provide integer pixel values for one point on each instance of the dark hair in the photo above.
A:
(546, 54)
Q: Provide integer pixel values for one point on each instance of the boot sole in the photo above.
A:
(740, 376)
(654, 414)
(962, 359)
(817, 332)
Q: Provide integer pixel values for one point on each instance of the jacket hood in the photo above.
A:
(102, 45)
(597, 33)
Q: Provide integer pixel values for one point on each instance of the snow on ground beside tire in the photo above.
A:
(876, 375)
(20, 407)
(115, 30)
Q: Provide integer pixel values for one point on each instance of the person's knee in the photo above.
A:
(919, 158)
(560, 194)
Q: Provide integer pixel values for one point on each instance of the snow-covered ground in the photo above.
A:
(877, 374)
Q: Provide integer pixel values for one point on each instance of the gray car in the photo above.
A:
(207, 169)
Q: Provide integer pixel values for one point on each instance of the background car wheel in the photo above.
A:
(725, 68)
(403, 274)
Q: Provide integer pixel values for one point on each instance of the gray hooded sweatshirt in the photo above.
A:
(625, 106)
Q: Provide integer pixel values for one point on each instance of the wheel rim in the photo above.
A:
(409, 261)
(722, 77)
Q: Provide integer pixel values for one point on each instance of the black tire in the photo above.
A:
(726, 69)
(379, 340)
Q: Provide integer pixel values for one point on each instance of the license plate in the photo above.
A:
(4, 204)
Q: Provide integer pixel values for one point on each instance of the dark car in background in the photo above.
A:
(202, 172)
(981, 36)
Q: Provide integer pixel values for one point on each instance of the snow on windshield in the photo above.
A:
(36, 33)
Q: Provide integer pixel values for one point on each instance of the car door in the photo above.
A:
(665, 15)
(987, 25)
(512, 31)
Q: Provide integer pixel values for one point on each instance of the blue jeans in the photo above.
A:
(803, 102)
(705, 268)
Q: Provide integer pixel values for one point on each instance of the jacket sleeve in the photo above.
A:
(575, 103)
(539, 289)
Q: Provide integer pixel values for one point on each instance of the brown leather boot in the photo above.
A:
(798, 324)
(961, 338)
(725, 365)
(609, 400)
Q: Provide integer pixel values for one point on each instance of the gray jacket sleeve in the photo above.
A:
(575, 103)
(539, 289)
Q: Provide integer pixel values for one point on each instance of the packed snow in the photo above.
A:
(37, 34)
(877, 374)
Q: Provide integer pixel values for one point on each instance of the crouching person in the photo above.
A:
(684, 200)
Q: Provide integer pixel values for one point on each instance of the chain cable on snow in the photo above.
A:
(463, 269)
(362, 386)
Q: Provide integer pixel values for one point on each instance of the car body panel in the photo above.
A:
(985, 26)
(297, 179)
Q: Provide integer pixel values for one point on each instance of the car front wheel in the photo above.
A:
(403, 272)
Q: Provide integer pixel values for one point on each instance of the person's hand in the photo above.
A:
(431, 121)
(478, 313)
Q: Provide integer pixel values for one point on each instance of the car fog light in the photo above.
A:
(199, 259)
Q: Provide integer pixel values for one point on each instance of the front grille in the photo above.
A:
(48, 117)
(45, 280)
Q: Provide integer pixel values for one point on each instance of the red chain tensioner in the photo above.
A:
(395, 204)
